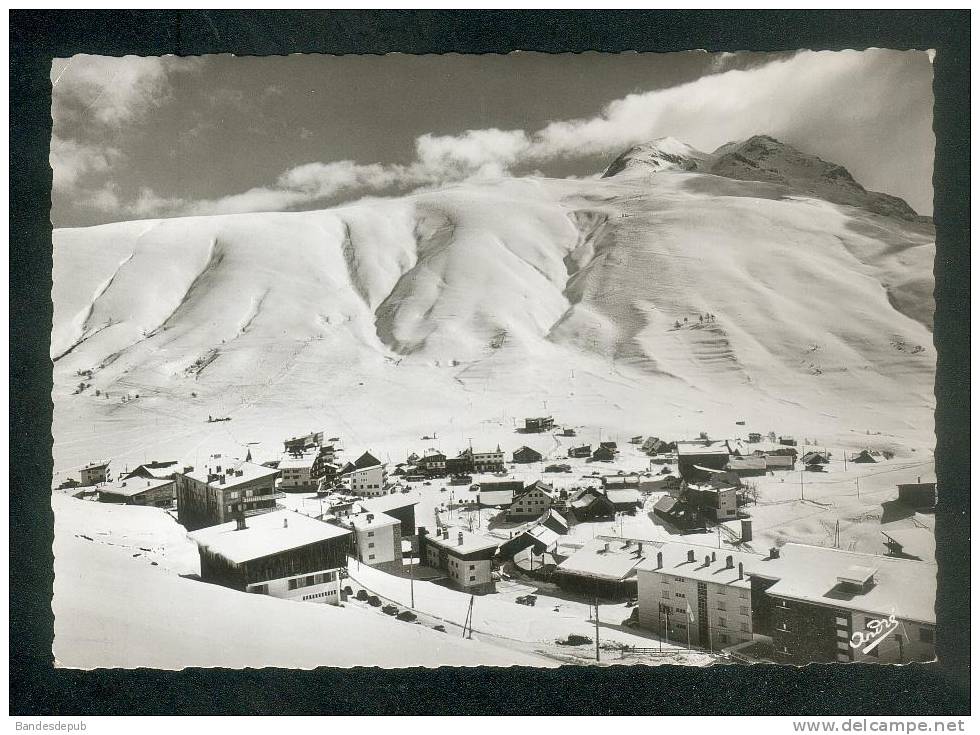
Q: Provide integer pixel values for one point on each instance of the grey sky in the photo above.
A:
(143, 137)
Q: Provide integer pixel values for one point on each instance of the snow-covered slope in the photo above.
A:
(120, 602)
(461, 309)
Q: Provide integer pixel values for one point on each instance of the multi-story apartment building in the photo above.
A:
(696, 594)
(222, 487)
(296, 472)
(822, 604)
(492, 461)
(433, 465)
(282, 554)
(366, 476)
(535, 500)
(377, 540)
(466, 557)
(95, 473)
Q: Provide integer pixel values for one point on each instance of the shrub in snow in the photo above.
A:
(574, 640)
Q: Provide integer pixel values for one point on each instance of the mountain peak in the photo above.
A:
(763, 158)
(660, 154)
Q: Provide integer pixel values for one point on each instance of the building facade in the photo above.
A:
(488, 461)
(220, 489)
(156, 493)
(466, 558)
(296, 473)
(820, 604)
(377, 540)
(693, 594)
(94, 474)
(281, 554)
(535, 500)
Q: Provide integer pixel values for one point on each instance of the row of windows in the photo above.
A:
(318, 595)
(312, 579)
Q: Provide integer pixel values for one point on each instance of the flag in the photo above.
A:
(690, 613)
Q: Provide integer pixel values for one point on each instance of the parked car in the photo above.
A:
(440, 628)
(389, 610)
(528, 600)
(407, 616)
(361, 595)
(373, 601)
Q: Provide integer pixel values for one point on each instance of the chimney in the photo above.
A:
(639, 547)
(690, 554)
(741, 571)
(370, 517)
(285, 523)
(773, 553)
(713, 557)
(240, 518)
(729, 562)
(707, 560)
(217, 470)
(660, 560)
(918, 480)
(459, 539)
(605, 546)
(221, 479)
(746, 529)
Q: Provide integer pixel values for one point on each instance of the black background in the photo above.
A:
(37, 688)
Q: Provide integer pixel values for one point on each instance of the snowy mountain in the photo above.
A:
(463, 309)
(662, 154)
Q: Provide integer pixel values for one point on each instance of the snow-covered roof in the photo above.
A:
(471, 542)
(265, 534)
(543, 534)
(496, 497)
(609, 560)
(395, 501)
(133, 486)
(701, 447)
(297, 461)
(904, 587)
(920, 542)
(379, 520)
(628, 495)
(677, 561)
(249, 472)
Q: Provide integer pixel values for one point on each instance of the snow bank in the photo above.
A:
(114, 609)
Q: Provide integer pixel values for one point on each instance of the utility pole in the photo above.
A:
(411, 579)
(801, 484)
(844, 452)
(597, 629)
(857, 481)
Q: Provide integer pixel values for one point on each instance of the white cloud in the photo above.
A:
(110, 91)
(71, 161)
(856, 108)
(490, 152)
